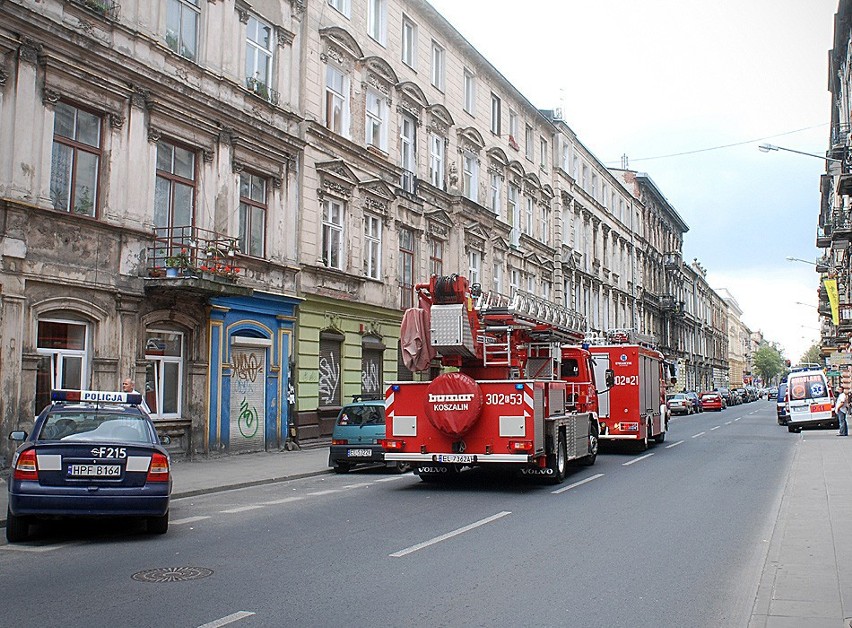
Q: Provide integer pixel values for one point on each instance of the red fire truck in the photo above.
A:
(520, 397)
(635, 409)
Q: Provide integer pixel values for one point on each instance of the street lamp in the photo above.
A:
(765, 148)
(804, 261)
(806, 304)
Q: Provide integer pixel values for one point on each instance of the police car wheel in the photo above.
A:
(158, 525)
(17, 528)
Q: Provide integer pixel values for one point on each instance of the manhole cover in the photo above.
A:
(172, 574)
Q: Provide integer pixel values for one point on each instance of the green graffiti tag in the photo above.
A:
(247, 420)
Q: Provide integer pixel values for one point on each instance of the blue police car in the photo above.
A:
(91, 454)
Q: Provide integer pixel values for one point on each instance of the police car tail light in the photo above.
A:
(339, 441)
(159, 469)
(520, 445)
(26, 468)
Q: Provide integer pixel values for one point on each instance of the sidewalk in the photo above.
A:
(807, 577)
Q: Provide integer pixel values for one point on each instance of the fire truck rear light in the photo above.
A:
(392, 445)
(339, 441)
(422, 449)
(520, 445)
(26, 467)
(159, 469)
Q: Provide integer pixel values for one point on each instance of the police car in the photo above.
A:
(91, 454)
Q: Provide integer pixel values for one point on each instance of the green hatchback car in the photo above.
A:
(356, 435)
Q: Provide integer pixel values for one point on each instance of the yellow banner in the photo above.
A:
(831, 289)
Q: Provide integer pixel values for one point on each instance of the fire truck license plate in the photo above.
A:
(455, 458)
(358, 453)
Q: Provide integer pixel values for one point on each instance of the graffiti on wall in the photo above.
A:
(247, 366)
(329, 379)
(247, 420)
(370, 377)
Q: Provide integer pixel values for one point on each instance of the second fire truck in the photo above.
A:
(523, 394)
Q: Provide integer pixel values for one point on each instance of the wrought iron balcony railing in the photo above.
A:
(263, 90)
(192, 252)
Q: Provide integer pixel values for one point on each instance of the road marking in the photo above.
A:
(699, 434)
(728, 422)
(361, 485)
(738, 418)
(232, 511)
(285, 500)
(576, 484)
(680, 442)
(715, 428)
(449, 535)
(228, 619)
(35, 549)
(326, 492)
(392, 479)
(178, 522)
(629, 462)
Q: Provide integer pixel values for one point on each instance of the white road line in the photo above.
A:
(728, 422)
(680, 442)
(715, 428)
(576, 484)
(178, 522)
(395, 478)
(37, 550)
(629, 462)
(232, 511)
(449, 535)
(229, 619)
(699, 434)
(738, 418)
(361, 485)
(285, 500)
(326, 492)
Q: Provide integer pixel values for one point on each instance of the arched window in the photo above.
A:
(65, 347)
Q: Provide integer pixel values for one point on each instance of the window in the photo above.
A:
(513, 214)
(253, 206)
(75, 162)
(408, 144)
(336, 101)
(174, 195)
(595, 187)
(329, 368)
(498, 277)
(182, 27)
(377, 112)
(528, 215)
(566, 157)
(436, 160)
(470, 177)
(406, 268)
(258, 57)
(513, 125)
(372, 246)
(341, 5)
(545, 224)
(163, 372)
(64, 345)
(372, 361)
(377, 20)
(543, 144)
(529, 148)
(474, 259)
(546, 289)
(332, 234)
(585, 181)
(409, 42)
(531, 283)
(496, 187)
(469, 92)
(438, 66)
(495, 114)
(514, 281)
(436, 257)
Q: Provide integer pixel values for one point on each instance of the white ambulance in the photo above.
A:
(809, 400)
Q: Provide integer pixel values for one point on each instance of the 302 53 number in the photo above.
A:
(504, 399)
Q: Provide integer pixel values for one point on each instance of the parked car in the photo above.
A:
(773, 393)
(726, 395)
(679, 403)
(712, 401)
(810, 401)
(696, 401)
(90, 454)
(356, 434)
(781, 404)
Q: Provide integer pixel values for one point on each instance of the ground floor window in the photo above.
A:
(329, 369)
(65, 364)
(163, 373)
(372, 357)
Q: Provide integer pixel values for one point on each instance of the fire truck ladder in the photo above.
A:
(548, 323)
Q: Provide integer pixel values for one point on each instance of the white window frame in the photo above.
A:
(437, 149)
(474, 259)
(438, 65)
(160, 362)
(255, 49)
(377, 20)
(332, 233)
(544, 150)
(408, 143)
(514, 281)
(545, 224)
(513, 213)
(498, 277)
(470, 176)
(186, 9)
(496, 114)
(343, 7)
(513, 125)
(496, 187)
(335, 93)
(58, 356)
(529, 138)
(529, 210)
(409, 42)
(469, 92)
(372, 246)
(376, 119)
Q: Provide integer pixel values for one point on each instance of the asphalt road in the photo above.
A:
(674, 536)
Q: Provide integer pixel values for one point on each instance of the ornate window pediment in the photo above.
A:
(440, 119)
(340, 46)
(336, 178)
(501, 244)
(498, 156)
(475, 237)
(470, 139)
(380, 74)
(516, 172)
(378, 196)
(412, 98)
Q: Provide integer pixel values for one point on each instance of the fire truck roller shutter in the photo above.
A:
(453, 403)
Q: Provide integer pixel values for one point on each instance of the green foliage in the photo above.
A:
(812, 355)
(768, 362)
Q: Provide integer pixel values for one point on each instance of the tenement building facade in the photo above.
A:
(232, 202)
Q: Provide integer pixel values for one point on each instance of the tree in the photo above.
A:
(768, 362)
(813, 355)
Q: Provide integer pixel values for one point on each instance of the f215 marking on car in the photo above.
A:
(109, 452)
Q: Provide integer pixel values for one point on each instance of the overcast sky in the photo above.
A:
(653, 78)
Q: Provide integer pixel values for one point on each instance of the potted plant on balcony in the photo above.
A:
(178, 264)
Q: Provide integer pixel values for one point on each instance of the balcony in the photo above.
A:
(823, 238)
(672, 261)
(823, 264)
(195, 260)
(668, 303)
(261, 89)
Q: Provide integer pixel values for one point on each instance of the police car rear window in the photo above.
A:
(95, 426)
(362, 415)
(807, 387)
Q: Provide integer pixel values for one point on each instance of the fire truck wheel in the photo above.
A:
(402, 467)
(558, 461)
(643, 444)
(660, 438)
(341, 467)
(593, 447)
